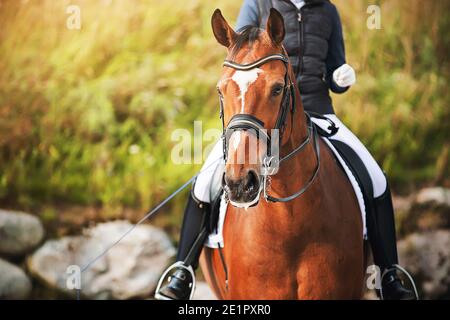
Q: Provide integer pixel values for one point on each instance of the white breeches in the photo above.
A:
(203, 183)
(344, 135)
(379, 183)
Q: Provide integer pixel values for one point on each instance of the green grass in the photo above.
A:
(74, 104)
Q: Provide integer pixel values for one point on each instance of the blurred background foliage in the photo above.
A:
(86, 115)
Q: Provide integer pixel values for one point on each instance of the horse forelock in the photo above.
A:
(254, 42)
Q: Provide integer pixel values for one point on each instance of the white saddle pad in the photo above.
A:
(216, 239)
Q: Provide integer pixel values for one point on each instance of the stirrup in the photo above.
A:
(403, 270)
(178, 264)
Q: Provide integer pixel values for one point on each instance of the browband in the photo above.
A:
(255, 64)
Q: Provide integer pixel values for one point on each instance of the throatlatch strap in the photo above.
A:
(310, 181)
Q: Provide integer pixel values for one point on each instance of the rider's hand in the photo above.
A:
(344, 76)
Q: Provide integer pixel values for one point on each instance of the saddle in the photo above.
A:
(351, 158)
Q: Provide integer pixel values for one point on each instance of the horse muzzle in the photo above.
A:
(244, 191)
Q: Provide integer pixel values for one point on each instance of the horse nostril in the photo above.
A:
(227, 181)
(244, 188)
(252, 181)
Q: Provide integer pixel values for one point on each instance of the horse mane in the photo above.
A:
(246, 35)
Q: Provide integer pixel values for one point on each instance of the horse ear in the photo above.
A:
(224, 34)
(275, 26)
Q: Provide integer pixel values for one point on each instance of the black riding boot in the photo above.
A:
(381, 230)
(193, 234)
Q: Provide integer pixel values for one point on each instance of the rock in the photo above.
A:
(436, 196)
(19, 232)
(428, 210)
(14, 283)
(130, 269)
(427, 257)
(203, 292)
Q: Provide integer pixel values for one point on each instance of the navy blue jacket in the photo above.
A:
(313, 41)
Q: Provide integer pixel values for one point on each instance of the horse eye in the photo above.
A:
(277, 90)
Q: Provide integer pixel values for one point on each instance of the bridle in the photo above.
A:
(250, 122)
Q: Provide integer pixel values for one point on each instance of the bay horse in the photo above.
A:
(305, 246)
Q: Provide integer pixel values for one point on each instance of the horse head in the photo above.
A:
(258, 99)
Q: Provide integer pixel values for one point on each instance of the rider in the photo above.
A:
(315, 45)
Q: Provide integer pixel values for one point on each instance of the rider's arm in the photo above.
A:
(248, 15)
(336, 49)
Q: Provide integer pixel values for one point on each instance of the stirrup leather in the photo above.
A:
(178, 264)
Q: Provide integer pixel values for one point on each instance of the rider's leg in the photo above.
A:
(194, 219)
(192, 230)
(381, 225)
(195, 214)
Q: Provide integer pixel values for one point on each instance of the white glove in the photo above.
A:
(344, 76)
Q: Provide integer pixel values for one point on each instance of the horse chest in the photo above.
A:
(261, 254)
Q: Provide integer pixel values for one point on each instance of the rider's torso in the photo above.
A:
(307, 33)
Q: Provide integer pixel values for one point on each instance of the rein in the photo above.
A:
(250, 122)
(311, 132)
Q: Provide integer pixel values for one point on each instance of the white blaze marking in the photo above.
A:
(244, 79)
